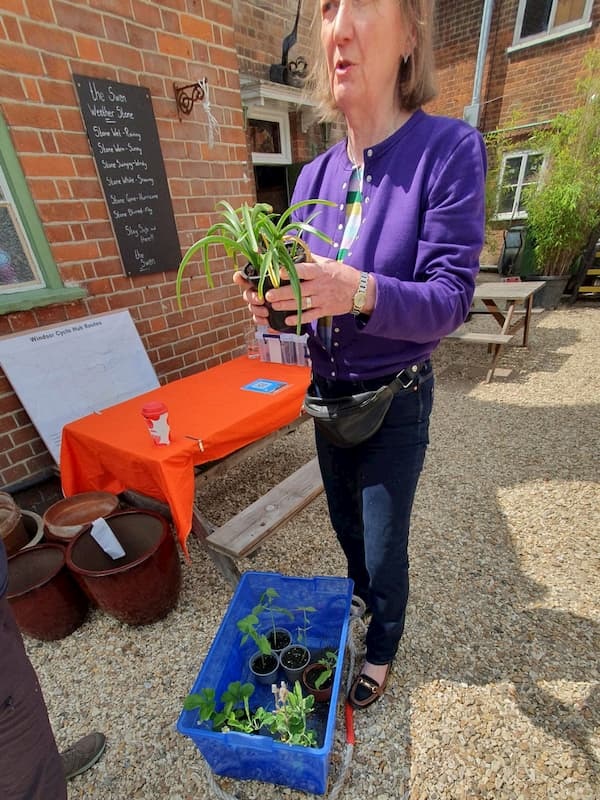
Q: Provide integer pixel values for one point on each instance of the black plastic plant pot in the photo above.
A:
(276, 318)
(294, 659)
(264, 667)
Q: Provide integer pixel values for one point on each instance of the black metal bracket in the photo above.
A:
(294, 72)
(186, 96)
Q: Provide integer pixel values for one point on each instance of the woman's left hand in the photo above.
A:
(328, 289)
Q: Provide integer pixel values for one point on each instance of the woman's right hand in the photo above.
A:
(257, 306)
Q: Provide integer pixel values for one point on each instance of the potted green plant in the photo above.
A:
(268, 244)
(317, 677)
(563, 211)
(264, 663)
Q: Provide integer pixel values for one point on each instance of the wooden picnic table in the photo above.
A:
(501, 300)
(215, 421)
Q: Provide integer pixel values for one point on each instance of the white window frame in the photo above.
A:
(282, 118)
(514, 213)
(573, 26)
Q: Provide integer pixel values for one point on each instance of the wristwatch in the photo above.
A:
(360, 297)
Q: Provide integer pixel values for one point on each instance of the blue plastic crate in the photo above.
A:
(254, 757)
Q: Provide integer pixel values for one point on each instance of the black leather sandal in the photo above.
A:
(365, 690)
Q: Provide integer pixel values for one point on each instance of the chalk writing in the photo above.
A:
(124, 139)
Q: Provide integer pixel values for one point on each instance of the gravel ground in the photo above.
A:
(495, 692)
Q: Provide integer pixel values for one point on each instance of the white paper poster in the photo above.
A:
(61, 373)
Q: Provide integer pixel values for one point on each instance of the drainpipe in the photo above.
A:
(471, 112)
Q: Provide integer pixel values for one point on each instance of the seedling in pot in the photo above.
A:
(329, 663)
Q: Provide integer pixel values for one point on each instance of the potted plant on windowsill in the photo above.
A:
(267, 243)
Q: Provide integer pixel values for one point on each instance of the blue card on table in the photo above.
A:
(264, 386)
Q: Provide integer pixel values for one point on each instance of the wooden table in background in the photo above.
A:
(502, 300)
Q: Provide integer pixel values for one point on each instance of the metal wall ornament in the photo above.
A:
(187, 96)
(290, 73)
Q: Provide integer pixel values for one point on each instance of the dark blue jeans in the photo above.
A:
(370, 490)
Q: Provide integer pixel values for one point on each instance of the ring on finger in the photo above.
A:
(308, 301)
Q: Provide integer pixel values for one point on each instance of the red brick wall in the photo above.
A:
(142, 43)
(525, 86)
(260, 27)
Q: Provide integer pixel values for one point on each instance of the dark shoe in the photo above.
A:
(83, 754)
(365, 690)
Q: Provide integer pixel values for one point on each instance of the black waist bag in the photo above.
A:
(348, 421)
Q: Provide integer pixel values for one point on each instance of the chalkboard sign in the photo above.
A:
(122, 132)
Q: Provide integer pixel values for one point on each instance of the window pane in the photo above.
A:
(264, 136)
(512, 167)
(506, 199)
(14, 264)
(536, 17)
(532, 168)
(568, 11)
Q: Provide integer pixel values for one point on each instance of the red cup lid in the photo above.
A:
(154, 409)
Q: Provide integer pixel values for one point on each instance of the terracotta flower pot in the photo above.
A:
(12, 528)
(34, 527)
(67, 518)
(143, 585)
(310, 675)
(46, 600)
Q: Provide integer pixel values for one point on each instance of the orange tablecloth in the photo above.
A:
(112, 450)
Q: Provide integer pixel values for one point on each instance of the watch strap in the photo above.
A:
(360, 296)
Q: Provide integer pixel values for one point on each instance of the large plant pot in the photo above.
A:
(549, 296)
(34, 526)
(12, 528)
(45, 598)
(143, 585)
(67, 518)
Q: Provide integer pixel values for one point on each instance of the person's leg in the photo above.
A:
(340, 470)
(392, 463)
(370, 491)
(30, 765)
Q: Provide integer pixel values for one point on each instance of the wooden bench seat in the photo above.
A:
(242, 534)
(480, 338)
(495, 342)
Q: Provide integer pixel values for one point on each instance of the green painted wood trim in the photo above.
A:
(36, 298)
(29, 217)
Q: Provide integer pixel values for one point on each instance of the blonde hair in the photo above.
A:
(416, 76)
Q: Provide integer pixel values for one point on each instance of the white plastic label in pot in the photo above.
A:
(103, 534)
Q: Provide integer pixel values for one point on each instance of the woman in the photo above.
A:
(407, 230)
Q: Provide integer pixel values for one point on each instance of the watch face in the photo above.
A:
(360, 298)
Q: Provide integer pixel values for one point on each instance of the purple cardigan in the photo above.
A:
(421, 236)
